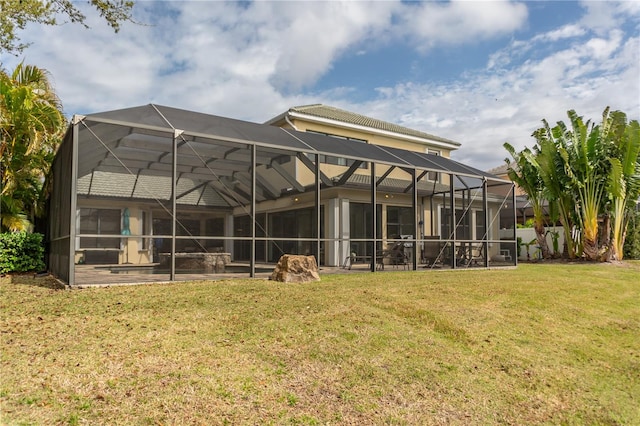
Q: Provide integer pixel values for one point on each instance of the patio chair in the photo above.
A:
(477, 254)
(395, 256)
(432, 251)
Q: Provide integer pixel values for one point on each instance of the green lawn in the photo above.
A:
(540, 344)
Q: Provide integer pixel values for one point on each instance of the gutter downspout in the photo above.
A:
(286, 118)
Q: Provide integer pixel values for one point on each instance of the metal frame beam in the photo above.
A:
(285, 174)
(346, 175)
(311, 166)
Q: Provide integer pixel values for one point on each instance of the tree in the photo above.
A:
(632, 240)
(587, 167)
(624, 178)
(16, 14)
(550, 164)
(31, 126)
(526, 176)
(592, 173)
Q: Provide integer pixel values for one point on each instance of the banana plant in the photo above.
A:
(587, 168)
(551, 150)
(591, 173)
(526, 176)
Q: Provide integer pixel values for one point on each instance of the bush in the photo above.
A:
(632, 240)
(21, 252)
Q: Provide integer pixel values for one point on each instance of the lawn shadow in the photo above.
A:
(41, 279)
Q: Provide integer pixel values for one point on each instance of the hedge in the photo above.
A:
(21, 252)
(632, 240)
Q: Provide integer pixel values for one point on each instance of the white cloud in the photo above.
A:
(508, 104)
(564, 32)
(315, 34)
(432, 23)
(603, 16)
(520, 48)
(218, 55)
(601, 48)
(252, 61)
(222, 50)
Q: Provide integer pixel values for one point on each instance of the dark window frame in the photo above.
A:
(339, 161)
(99, 221)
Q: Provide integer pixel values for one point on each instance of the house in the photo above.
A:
(331, 121)
(524, 210)
(170, 193)
(502, 172)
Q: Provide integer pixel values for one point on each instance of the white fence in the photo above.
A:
(529, 234)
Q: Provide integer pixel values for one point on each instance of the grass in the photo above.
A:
(541, 344)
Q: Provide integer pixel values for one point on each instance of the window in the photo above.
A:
(399, 221)
(144, 226)
(328, 159)
(338, 161)
(433, 176)
(462, 220)
(100, 222)
(360, 221)
(294, 225)
(338, 136)
(480, 228)
(242, 228)
(188, 227)
(463, 230)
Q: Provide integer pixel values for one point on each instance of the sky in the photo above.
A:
(477, 72)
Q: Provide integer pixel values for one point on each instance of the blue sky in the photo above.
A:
(478, 72)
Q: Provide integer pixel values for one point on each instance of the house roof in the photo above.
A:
(339, 115)
(148, 187)
(500, 170)
(397, 185)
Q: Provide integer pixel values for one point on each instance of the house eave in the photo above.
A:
(450, 145)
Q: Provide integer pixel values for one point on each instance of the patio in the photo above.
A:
(153, 184)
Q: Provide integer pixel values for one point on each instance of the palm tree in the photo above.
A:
(624, 178)
(526, 176)
(31, 125)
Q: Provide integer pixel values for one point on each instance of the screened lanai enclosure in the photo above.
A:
(153, 193)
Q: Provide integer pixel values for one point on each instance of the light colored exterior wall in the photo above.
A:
(370, 137)
(374, 137)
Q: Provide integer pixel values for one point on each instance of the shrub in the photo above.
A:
(632, 240)
(21, 252)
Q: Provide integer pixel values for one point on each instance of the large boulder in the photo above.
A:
(292, 268)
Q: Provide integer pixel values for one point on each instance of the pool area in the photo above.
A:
(156, 269)
(131, 274)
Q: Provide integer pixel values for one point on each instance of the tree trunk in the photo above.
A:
(542, 241)
(609, 251)
(590, 249)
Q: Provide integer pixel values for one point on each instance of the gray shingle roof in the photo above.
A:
(395, 185)
(499, 170)
(124, 185)
(332, 113)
